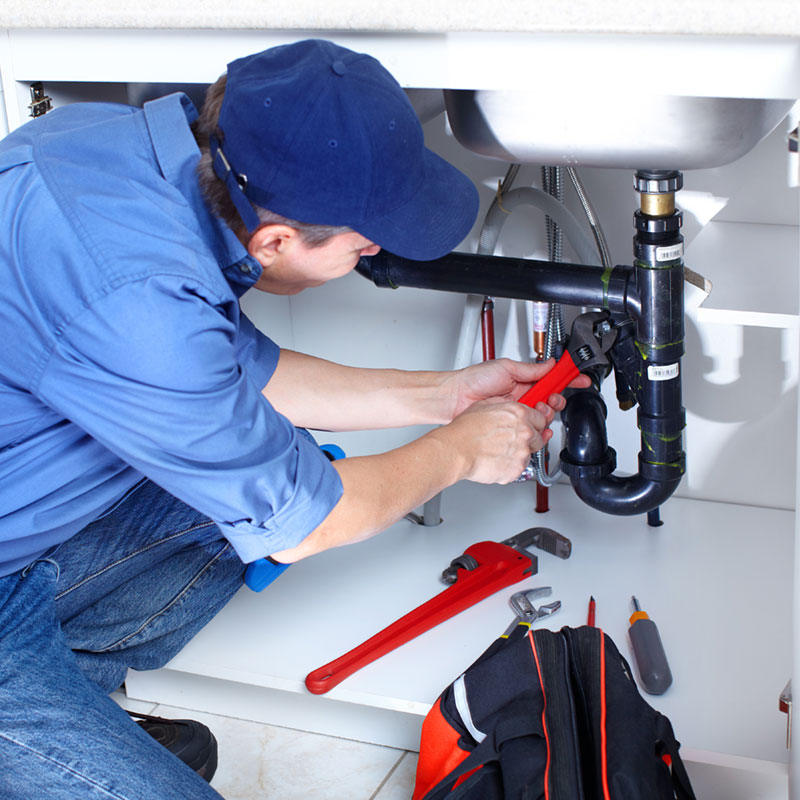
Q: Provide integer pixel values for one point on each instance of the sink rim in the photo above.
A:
(620, 130)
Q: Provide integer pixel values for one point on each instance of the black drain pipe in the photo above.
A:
(497, 276)
(646, 304)
(647, 355)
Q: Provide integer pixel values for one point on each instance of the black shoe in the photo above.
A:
(192, 742)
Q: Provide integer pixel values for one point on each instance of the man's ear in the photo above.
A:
(269, 241)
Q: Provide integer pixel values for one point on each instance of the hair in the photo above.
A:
(215, 191)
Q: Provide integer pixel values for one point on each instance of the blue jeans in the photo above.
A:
(128, 591)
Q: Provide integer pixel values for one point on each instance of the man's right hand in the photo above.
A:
(494, 438)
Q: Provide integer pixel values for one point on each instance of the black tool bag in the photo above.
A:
(548, 715)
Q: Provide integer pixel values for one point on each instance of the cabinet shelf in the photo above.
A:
(716, 577)
(762, 257)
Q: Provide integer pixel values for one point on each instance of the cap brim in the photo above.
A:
(434, 221)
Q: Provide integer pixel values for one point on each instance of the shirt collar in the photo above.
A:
(168, 121)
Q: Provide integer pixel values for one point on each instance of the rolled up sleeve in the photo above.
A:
(256, 353)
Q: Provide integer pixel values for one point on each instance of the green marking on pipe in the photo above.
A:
(676, 464)
(660, 266)
(605, 279)
(646, 348)
(660, 437)
(658, 346)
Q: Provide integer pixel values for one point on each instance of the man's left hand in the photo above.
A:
(503, 378)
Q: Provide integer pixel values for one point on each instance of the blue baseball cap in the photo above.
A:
(323, 135)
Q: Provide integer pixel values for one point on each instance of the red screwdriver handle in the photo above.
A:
(554, 382)
(499, 566)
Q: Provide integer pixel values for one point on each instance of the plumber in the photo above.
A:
(149, 442)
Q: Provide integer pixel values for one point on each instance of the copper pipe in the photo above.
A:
(487, 329)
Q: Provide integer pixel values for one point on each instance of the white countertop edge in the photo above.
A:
(266, 681)
(679, 17)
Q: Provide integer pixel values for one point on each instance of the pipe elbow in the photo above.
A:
(589, 462)
(587, 449)
(624, 496)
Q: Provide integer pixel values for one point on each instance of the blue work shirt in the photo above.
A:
(125, 353)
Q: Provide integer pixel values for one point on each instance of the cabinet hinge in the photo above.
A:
(40, 103)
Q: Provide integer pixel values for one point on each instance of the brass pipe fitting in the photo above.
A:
(658, 205)
(657, 191)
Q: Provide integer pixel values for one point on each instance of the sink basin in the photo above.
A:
(627, 130)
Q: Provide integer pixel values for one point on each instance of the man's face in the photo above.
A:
(294, 266)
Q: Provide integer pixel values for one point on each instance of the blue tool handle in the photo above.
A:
(261, 573)
(333, 451)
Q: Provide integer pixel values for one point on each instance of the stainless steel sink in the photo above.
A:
(604, 129)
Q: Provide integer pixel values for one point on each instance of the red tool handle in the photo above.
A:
(553, 383)
(499, 566)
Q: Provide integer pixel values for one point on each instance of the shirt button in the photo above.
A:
(245, 268)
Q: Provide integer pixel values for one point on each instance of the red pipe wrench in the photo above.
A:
(591, 338)
(483, 569)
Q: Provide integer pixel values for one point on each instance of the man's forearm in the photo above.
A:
(485, 435)
(379, 490)
(489, 443)
(320, 394)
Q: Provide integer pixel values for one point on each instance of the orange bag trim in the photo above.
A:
(604, 754)
(544, 718)
(439, 752)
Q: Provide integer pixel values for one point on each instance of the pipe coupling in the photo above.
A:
(576, 470)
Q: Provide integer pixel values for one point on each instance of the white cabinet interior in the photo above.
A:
(717, 575)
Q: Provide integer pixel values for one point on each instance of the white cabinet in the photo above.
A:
(718, 576)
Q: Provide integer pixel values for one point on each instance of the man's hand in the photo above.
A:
(502, 378)
(490, 442)
(487, 437)
(493, 439)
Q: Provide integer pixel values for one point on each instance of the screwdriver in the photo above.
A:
(648, 651)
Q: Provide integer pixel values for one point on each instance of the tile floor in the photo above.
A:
(264, 761)
(260, 762)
